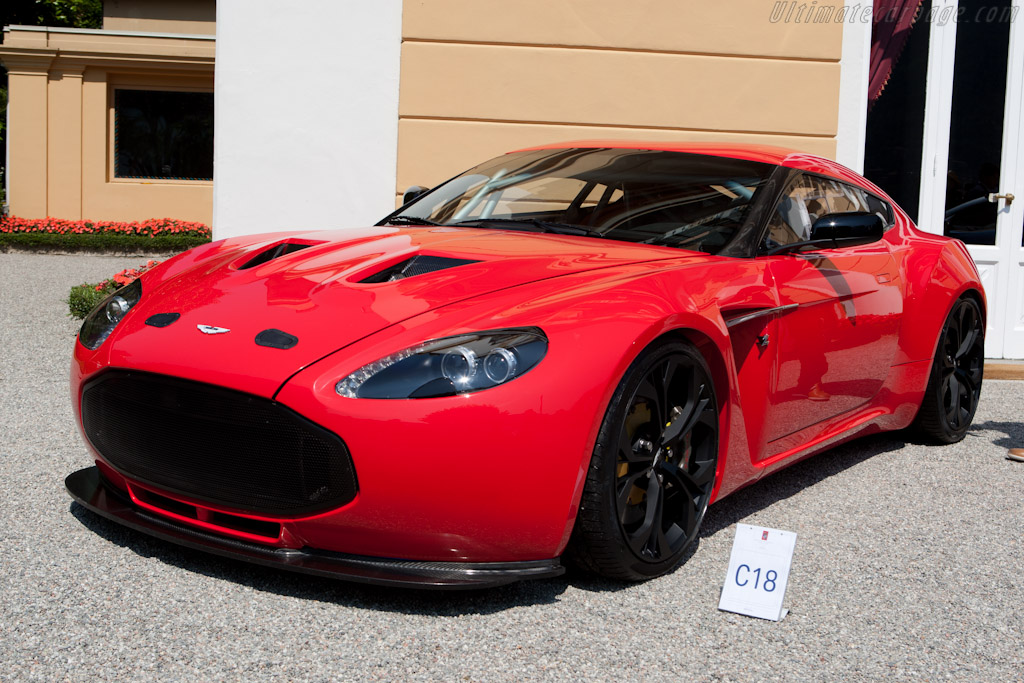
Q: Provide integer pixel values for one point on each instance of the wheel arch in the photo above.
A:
(979, 298)
(721, 374)
(942, 416)
(935, 281)
(969, 293)
(590, 520)
(712, 355)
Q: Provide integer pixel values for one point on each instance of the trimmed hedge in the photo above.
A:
(100, 243)
(55, 234)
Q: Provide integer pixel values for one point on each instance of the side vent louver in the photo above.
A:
(273, 253)
(417, 265)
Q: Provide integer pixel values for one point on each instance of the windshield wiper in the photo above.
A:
(522, 223)
(409, 220)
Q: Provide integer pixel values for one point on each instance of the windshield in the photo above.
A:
(690, 201)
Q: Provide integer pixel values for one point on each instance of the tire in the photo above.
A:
(954, 385)
(653, 468)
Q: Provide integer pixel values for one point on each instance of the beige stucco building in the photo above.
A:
(476, 79)
(65, 88)
(327, 111)
(479, 79)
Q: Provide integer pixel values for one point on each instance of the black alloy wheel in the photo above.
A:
(954, 386)
(653, 467)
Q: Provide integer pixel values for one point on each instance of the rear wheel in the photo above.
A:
(653, 467)
(954, 385)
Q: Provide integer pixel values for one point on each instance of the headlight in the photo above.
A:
(102, 320)
(449, 366)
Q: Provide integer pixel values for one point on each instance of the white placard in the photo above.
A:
(758, 572)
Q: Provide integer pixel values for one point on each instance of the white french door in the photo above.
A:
(1011, 226)
(972, 179)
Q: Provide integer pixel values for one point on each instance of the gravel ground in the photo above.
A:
(908, 566)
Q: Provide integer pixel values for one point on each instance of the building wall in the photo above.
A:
(307, 114)
(476, 78)
(177, 16)
(61, 128)
(482, 77)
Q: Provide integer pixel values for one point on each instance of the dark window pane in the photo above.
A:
(163, 134)
(976, 121)
(895, 128)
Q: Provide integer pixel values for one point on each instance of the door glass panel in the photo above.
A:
(808, 199)
(895, 126)
(976, 128)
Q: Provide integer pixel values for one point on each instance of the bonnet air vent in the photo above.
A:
(417, 265)
(272, 253)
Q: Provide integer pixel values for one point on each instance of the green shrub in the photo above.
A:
(83, 298)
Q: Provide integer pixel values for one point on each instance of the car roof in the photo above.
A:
(768, 154)
(764, 153)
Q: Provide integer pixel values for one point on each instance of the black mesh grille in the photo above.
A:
(417, 265)
(216, 445)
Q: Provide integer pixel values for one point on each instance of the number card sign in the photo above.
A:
(758, 572)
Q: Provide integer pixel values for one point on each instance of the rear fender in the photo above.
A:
(935, 280)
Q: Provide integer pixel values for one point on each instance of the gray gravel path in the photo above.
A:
(908, 566)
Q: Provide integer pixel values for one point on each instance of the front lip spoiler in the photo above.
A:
(90, 490)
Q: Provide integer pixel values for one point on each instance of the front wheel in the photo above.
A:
(954, 386)
(653, 467)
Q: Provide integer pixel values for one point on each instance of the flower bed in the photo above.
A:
(84, 297)
(155, 234)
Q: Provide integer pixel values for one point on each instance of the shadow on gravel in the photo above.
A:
(1014, 432)
(308, 587)
(790, 481)
(720, 516)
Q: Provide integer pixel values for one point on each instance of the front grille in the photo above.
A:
(216, 445)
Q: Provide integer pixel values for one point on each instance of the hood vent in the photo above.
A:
(417, 265)
(272, 253)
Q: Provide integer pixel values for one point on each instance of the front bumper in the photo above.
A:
(89, 489)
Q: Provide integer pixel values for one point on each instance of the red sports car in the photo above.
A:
(565, 352)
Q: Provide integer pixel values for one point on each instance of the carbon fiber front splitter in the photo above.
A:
(90, 490)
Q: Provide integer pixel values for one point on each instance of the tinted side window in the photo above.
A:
(876, 205)
(811, 197)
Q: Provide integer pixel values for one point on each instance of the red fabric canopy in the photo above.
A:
(892, 22)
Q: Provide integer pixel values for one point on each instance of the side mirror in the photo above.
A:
(836, 230)
(848, 229)
(414, 193)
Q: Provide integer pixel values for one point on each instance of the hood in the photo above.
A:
(326, 290)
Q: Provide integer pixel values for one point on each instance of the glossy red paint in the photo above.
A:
(497, 475)
(302, 292)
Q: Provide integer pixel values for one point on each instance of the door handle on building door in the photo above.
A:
(993, 197)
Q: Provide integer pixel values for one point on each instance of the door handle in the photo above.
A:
(993, 197)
